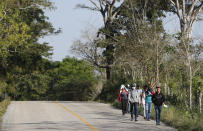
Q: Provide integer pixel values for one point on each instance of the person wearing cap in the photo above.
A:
(158, 100)
(123, 87)
(148, 102)
(134, 102)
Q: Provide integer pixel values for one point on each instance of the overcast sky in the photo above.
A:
(73, 21)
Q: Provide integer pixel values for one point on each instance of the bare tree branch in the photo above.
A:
(172, 2)
(95, 5)
(86, 7)
(192, 8)
(178, 9)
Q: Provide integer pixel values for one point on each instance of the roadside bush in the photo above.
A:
(181, 119)
(109, 92)
(3, 107)
(116, 104)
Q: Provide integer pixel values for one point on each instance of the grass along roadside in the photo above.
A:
(3, 107)
(182, 119)
(176, 117)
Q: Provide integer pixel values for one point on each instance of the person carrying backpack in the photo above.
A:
(158, 100)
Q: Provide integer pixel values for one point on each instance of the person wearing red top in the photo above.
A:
(124, 100)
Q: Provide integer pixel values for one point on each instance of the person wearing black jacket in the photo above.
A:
(158, 99)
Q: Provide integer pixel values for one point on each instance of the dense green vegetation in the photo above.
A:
(26, 73)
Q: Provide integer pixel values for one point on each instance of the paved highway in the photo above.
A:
(71, 116)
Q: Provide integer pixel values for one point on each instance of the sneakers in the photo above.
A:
(157, 123)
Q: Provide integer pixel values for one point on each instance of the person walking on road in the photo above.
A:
(148, 102)
(129, 89)
(134, 102)
(139, 94)
(143, 97)
(124, 100)
(158, 100)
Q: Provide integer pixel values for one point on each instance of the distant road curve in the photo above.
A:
(71, 116)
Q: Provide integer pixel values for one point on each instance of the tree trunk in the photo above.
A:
(169, 91)
(190, 71)
(166, 85)
(165, 88)
(200, 101)
(157, 63)
(133, 74)
(141, 77)
(108, 73)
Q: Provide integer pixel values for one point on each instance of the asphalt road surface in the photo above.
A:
(71, 116)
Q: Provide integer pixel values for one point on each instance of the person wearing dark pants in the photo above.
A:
(158, 114)
(124, 103)
(158, 100)
(134, 100)
(134, 110)
(124, 100)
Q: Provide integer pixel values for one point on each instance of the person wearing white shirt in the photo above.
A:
(143, 97)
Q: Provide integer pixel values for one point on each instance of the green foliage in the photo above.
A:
(3, 106)
(181, 119)
(22, 23)
(110, 89)
(31, 86)
(73, 80)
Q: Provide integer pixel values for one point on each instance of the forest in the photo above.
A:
(132, 46)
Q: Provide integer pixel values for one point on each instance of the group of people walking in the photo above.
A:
(133, 97)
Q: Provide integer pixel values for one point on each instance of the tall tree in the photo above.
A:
(187, 12)
(109, 10)
(136, 20)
